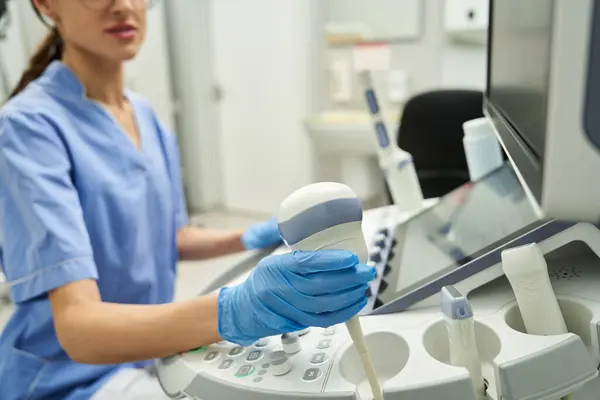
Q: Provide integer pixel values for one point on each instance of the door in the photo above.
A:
(265, 52)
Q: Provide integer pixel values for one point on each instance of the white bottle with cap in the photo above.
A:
(482, 148)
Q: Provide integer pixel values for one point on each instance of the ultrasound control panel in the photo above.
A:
(382, 252)
(297, 362)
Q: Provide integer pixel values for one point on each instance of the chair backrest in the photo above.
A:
(431, 130)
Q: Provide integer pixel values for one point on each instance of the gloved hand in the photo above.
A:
(261, 235)
(290, 292)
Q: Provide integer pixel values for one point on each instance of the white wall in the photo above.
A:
(191, 53)
(420, 58)
(150, 72)
(464, 66)
(33, 30)
(265, 62)
(431, 62)
(13, 53)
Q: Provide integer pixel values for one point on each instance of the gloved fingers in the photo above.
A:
(321, 283)
(276, 322)
(262, 234)
(330, 302)
(308, 262)
(322, 319)
(337, 317)
(287, 311)
(243, 320)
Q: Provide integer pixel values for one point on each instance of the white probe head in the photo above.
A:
(455, 305)
(325, 215)
(523, 259)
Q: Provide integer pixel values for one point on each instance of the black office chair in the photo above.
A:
(431, 130)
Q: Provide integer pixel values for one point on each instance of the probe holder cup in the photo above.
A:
(435, 340)
(389, 353)
(545, 367)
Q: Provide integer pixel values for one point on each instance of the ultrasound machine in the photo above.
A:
(450, 312)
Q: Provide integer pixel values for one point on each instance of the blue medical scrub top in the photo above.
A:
(78, 200)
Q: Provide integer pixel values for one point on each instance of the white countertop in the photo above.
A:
(347, 132)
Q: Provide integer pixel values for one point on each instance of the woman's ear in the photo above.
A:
(46, 8)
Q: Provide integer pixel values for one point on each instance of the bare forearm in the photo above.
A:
(105, 333)
(199, 243)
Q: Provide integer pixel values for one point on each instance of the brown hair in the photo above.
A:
(50, 50)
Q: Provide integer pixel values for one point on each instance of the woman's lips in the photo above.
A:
(123, 32)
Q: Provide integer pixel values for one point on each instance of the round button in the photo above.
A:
(236, 351)
(324, 344)
(311, 374)
(291, 343)
(262, 343)
(318, 358)
(280, 364)
(329, 331)
(244, 371)
(225, 364)
(262, 372)
(257, 380)
(254, 356)
(212, 356)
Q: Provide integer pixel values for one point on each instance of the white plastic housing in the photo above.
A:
(527, 272)
(347, 236)
(402, 179)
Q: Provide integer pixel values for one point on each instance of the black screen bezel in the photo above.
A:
(524, 158)
(468, 257)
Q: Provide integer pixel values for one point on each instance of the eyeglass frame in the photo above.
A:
(149, 5)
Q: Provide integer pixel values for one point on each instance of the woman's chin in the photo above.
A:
(128, 54)
(124, 53)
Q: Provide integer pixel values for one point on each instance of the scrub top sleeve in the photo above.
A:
(46, 243)
(174, 166)
(181, 215)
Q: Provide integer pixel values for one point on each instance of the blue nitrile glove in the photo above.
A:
(261, 235)
(290, 292)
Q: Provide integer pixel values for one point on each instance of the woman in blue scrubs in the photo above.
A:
(93, 221)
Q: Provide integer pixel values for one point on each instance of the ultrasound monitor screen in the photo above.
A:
(519, 66)
(465, 224)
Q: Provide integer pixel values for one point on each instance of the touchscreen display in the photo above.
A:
(468, 222)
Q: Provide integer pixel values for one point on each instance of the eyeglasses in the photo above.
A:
(102, 4)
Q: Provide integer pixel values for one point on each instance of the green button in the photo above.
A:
(245, 371)
(198, 350)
